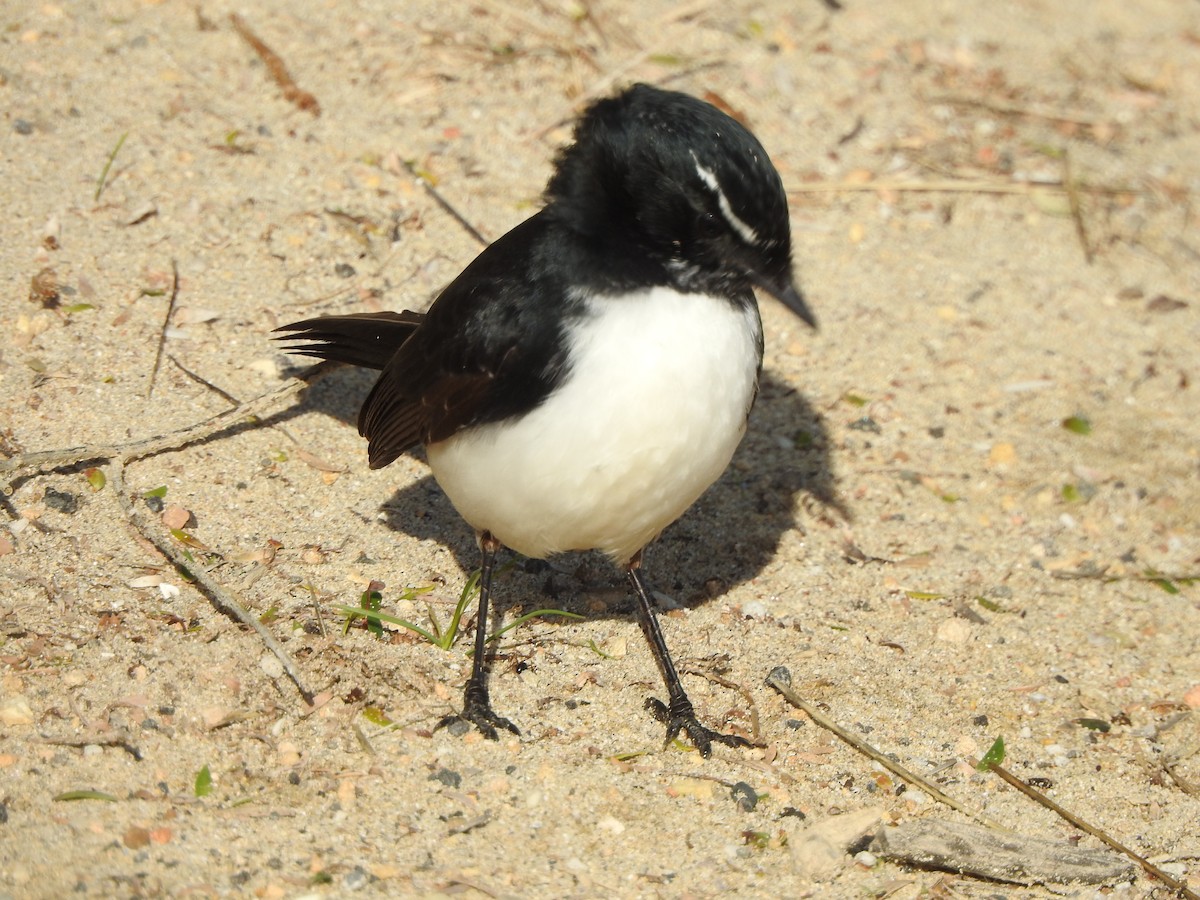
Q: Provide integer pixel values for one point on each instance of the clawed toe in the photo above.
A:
(477, 711)
(680, 716)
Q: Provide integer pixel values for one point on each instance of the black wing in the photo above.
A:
(491, 346)
(359, 339)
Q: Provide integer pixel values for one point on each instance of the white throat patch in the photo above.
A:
(745, 232)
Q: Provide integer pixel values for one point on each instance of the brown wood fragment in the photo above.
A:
(999, 856)
(43, 289)
(275, 65)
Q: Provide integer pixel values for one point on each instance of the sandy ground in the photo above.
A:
(994, 573)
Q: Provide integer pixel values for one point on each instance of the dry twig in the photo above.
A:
(1180, 889)
(1076, 208)
(162, 332)
(223, 598)
(781, 680)
(118, 455)
(445, 204)
(275, 65)
(29, 464)
(955, 186)
(755, 728)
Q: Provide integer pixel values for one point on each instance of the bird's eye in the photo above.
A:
(709, 225)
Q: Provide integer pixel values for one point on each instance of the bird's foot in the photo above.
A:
(680, 716)
(477, 710)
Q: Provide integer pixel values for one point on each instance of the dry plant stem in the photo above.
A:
(1012, 109)
(1076, 208)
(446, 206)
(162, 332)
(781, 680)
(956, 186)
(103, 179)
(224, 598)
(291, 91)
(117, 455)
(29, 464)
(755, 726)
(201, 380)
(1180, 889)
(1103, 576)
(1180, 782)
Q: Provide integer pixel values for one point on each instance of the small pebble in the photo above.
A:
(866, 859)
(754, 609)
(344, 270)
(136, 837)
(448, 777)
(63, 501)
(271, 665)
(356, 879)
(744, 796)
(22, 126)
(16, 711)
(866, 423)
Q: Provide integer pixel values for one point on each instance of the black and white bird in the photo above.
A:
(590, 374)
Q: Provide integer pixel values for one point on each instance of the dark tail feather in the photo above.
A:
(360, 339)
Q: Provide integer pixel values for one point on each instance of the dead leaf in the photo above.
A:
(1164, 304)
(317, 463)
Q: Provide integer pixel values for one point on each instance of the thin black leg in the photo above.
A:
(677, 714)
(477, 706)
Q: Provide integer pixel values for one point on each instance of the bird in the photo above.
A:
(589, 375)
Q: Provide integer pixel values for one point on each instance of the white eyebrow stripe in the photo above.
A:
(747, 234)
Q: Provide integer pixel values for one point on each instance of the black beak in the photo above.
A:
(789, 295)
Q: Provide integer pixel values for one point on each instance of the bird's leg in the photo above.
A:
(677, 714)
(477, 706)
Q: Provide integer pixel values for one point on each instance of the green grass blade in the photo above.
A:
(357, 612)
(533, 615)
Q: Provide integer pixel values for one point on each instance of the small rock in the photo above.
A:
(448, 777)
(954, 631)
(744, 796)
(22, 126)
(175, 516)
(62, 501)
(287, 754)
(609, 824)
(16, 711)
(356, 879)
(136, 837)
(271, 665)
(820, 849)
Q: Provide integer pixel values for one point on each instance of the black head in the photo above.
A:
(684, 186)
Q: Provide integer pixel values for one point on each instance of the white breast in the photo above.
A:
(654, 406)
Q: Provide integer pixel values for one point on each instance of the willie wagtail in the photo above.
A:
(590, 374)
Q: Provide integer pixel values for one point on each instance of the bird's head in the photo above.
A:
(685, 186)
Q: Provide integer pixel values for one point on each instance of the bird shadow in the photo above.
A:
(783, 467)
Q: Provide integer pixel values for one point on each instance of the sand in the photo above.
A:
(965, 509)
